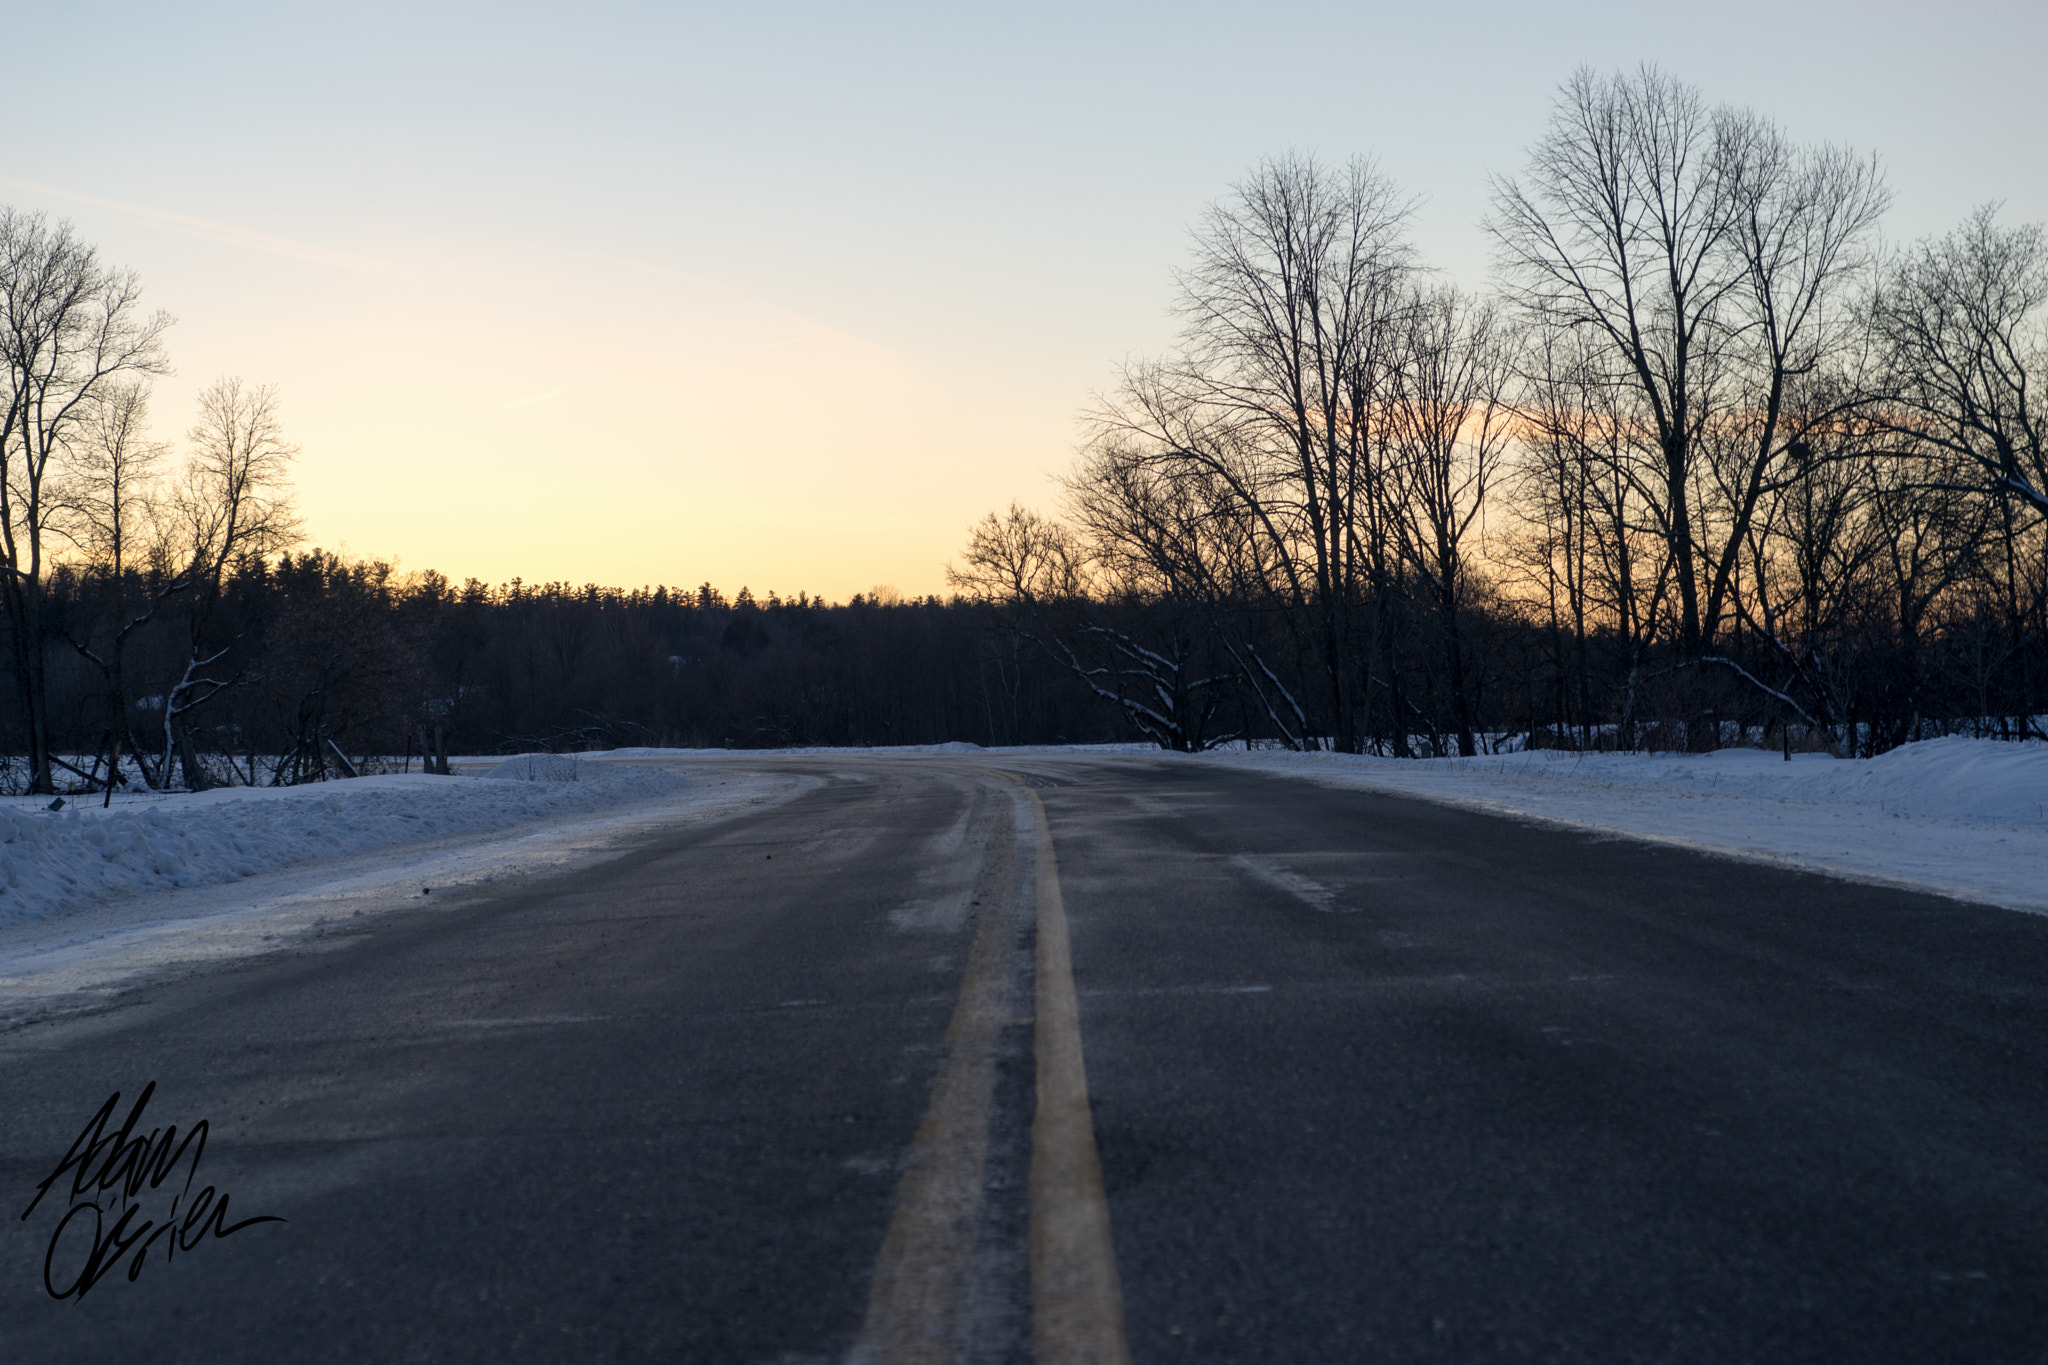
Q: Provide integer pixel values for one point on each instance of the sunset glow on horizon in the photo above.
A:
(788, 302)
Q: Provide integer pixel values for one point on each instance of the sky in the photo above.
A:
(785, 296)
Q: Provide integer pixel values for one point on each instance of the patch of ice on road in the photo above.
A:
(1313, 894)
(947, 878)
(1961, 817)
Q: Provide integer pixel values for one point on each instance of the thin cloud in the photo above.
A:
(227, 232)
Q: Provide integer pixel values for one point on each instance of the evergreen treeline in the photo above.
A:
(325, 665)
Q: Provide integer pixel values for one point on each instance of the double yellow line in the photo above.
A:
(1077, 1312)
(917, 1307)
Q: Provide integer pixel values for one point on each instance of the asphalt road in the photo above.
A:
(1366, 1079)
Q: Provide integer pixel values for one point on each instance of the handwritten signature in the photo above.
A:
(110, 1172)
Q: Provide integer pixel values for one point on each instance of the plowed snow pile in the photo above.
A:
(1963, 817)
(52, 862)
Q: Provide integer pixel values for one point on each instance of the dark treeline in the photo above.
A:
(559, 668)
(317, 666)
(1708, 465)
(322, 666)
(1499, 671)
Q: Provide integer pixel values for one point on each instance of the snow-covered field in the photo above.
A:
(1961, 817)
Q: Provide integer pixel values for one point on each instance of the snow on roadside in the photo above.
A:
(1960, 817)
(1966, 818)
(78, 961)
(55, 863)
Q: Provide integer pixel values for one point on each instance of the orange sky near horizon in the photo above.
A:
(788, 298)
(682, 431)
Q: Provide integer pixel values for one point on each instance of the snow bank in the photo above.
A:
(538, 768)
(1977, 780)
(56, 862)
(1962, 817)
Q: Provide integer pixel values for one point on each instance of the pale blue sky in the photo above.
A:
(788, 295)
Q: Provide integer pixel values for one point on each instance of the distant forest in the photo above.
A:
(322, 665)
(1709, 464)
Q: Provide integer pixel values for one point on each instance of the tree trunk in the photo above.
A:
(188, 759)
(25, 618)
(113, 763)
(1700, 737)
(1461, 703)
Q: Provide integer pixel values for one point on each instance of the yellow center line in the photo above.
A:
(1077, 1315)
(917, 1305)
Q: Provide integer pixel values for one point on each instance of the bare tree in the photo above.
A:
(112, 487)
(1292, 308)
(1450, 425)
(114, 490)
(70, 328)
(1587, 480)
(1174, 538)
(1020, 557)
(1708, 256)
(1113, 605)
(1929, 531)
(1809, 559)
(233, 505)
(1963, 320)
